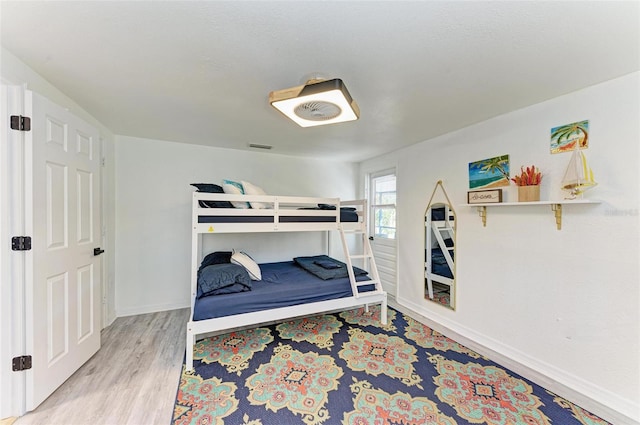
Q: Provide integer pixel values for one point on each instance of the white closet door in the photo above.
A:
(63, 294)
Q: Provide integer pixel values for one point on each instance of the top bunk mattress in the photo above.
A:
(283, 284)
(268, 212)
(346, 216)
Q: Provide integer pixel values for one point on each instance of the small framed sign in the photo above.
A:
(493, 196)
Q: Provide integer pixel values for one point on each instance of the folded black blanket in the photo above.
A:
(220, 279)
(326, 267)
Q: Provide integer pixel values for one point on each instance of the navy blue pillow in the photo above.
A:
(218, 257)
(208, 187)
(326, 207)
(212, 188)
(219, 279)
(333, 207)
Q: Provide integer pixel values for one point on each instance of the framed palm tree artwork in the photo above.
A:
(489, 173)
(564, 138)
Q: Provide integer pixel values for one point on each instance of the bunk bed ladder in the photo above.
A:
(436, 230)
(446, 250)
(367, 256)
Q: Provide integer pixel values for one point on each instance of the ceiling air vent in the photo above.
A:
(253, 145)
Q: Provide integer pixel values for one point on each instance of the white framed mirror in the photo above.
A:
(439, 249)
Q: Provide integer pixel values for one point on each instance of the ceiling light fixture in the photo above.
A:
(318, 102)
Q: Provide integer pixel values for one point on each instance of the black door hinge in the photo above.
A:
(21, 243)
(18, 122)
(21, 363)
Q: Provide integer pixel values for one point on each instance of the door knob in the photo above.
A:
(370, 238)
(97, 251)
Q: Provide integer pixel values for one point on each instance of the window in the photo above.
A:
(383, 205)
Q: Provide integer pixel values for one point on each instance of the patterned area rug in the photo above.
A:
(440, 294)
(347, 369)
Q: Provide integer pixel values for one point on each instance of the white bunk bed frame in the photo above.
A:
(281, 206)
(434, 230)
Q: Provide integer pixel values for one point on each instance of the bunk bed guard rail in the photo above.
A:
(276, 213)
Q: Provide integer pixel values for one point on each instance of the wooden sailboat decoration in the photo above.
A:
(579, 177)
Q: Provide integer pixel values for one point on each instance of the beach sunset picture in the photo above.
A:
(489, 173)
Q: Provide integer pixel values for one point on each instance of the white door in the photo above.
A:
(382, 226)
(64, 291)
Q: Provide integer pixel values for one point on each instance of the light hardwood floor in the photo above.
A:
(132, 380)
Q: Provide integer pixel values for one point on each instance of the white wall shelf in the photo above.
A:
(556, 207)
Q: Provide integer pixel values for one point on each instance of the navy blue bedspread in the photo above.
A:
(286, 216)
(439, 263)
(283, 284)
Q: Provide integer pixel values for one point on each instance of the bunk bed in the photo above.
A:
(439, 247)
(271, 299)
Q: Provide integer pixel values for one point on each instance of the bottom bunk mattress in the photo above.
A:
(283, 284)
(439, 264)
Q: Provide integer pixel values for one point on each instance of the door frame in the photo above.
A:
(14, 266)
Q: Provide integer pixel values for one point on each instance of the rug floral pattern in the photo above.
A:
(373, 406)
(585, 418)
(299, 382)
(486, 394)
(204, 401)
(361, 317)
(233, 350)
(317, 330)
(426, 337)
(378, 354)
(346, 368)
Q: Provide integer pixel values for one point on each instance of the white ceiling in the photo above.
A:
(201, 72)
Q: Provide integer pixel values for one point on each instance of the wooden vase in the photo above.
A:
(528, 193)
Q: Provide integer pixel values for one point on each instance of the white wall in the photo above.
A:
(153, 214)
(16, 72)
(562, 305)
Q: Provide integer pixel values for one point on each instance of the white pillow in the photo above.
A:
(234, 188)
(252, 189)
(242, 259)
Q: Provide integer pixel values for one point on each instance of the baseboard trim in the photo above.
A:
(151, 308)
(110, 319)
(595, 399)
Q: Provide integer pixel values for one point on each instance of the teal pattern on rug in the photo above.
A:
(346, 368)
